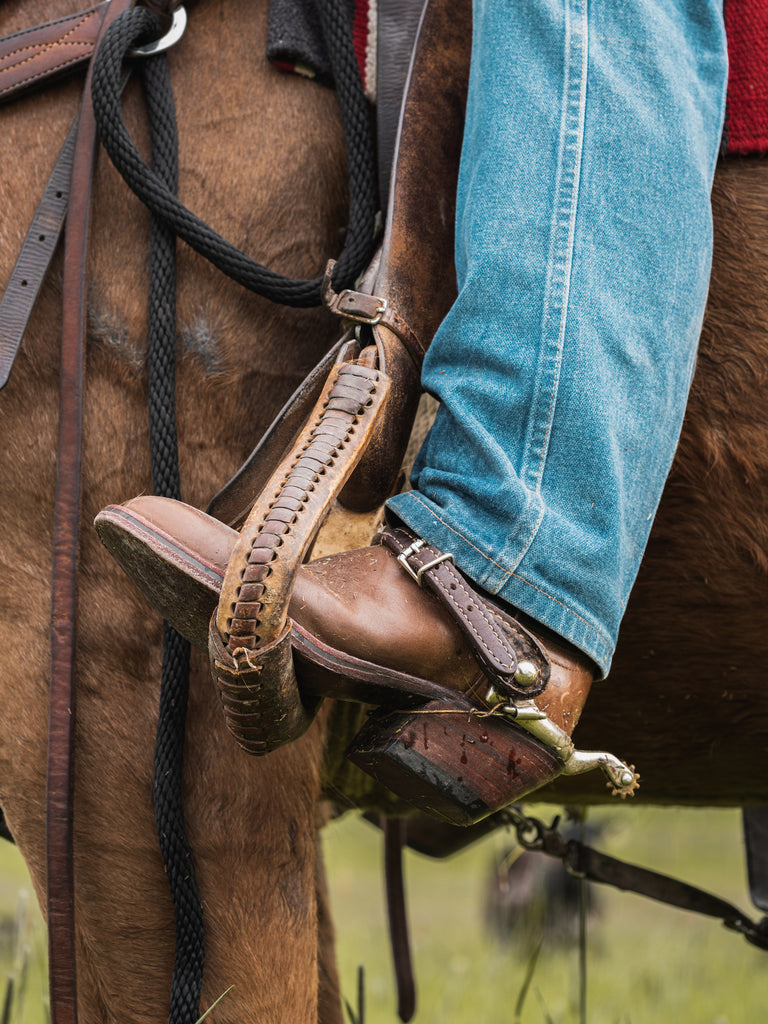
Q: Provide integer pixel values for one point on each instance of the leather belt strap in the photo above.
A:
(755, 823)
(57, 47)
(361, 308)
(59, 853)
(415, 270)
(499, 642)
(394, 839)
(35, 257)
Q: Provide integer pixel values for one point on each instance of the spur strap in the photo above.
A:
(58, 47)
(59, 851)
(511, 657)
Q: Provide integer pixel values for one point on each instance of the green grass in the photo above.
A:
(646, 962)
(23, 958)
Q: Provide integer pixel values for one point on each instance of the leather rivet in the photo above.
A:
(527, 673)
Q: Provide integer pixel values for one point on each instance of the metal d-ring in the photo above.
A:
(171, 37)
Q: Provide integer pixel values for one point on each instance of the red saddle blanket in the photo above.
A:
(746, 120)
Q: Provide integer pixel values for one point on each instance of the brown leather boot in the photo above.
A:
(402, 623)
(475, 710)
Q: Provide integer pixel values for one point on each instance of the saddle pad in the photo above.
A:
(295, 43)
(295, 40)
(746, 120)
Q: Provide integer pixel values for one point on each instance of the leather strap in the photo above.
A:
(755, 823)
(394, 839)
(583, 862)
(33, 55)
(413, 272)
(34, 258)
(504, 648)
(360, 308)
(250, 636)
(233, 502)
(59, 854)
(416, 270)
(398, 24)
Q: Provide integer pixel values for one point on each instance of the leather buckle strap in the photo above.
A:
(512, 658)
(362, 308)
(412, 550)
(54, 48)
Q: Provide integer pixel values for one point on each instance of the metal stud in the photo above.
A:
(527, 673)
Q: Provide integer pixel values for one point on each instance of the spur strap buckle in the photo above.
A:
(413, 549)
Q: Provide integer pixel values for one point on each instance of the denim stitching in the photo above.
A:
(557, 286)
(571, 611)
(563, 228)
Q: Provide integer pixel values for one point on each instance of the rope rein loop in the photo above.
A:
(139, 26)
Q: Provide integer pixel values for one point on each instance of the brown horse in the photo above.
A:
(262, 160)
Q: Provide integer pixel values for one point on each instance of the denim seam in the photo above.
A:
(510, 573)
(563, 232)
(560, 265)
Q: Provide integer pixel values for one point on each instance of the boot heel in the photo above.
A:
(451, 762)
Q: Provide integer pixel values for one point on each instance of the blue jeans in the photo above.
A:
(583, 250)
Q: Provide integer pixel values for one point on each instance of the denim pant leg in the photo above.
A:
(583, 248)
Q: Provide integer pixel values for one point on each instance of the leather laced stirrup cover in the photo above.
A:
(250, 636)
(363, 417)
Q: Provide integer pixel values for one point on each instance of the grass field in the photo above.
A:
(646, 963)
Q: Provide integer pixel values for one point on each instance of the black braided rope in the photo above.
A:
(156, 187)
(126, 32)
(189, 959)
